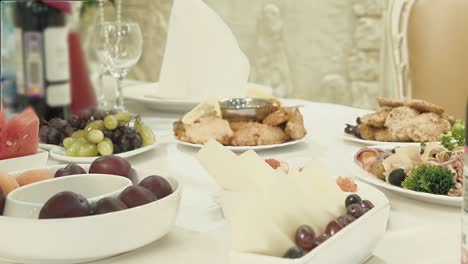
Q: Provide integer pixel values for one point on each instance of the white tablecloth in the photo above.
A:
(417, 232)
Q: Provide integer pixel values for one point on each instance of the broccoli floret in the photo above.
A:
(458, 132)
(429, 179)
(455, 137)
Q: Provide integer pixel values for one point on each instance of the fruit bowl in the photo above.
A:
(34, 161)
(353, 244)
(84, 239)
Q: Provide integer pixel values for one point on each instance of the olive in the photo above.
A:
(396, 177)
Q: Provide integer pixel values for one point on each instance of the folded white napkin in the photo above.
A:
(202, 57)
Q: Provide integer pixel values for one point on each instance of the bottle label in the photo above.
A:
(19, 61)
(57, 63)
(58, 94)
(56, 54)
(34, 68)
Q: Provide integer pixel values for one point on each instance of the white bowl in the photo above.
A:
(27, 201)
(352, 245)
(35, 161)
(84, 239)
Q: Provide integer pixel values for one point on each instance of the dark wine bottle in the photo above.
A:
(43, 69)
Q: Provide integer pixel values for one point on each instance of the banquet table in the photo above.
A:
(417, 232)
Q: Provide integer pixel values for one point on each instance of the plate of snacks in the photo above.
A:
(430, 172)
(74, 211)
(401, 121)
(241, 124)
(91, 134)
(273, 220)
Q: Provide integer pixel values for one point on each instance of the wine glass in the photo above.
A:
(119, 46)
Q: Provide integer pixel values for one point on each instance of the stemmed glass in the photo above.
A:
(118, 46)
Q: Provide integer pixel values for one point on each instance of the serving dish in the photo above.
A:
(35, 161)
(246, 148)
(26, 202)
(58, 153)
(340, 248)
(84, 239)
(368, 177)
(245, 109)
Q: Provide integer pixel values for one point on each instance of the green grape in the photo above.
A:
(79, 134)
(124, 118)
(147, 135)
(95, 136)
(72, 151)
(106, 148)
(96, 124)
(81, 140)
(111, 122)
(67, 142)
(87, 150)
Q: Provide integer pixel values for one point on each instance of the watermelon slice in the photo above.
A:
(19, 136)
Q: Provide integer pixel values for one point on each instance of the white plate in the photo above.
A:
(367, 230)
(58, 153)
(47, 147)
(35, 161)
(374, 142)
(420, 196)
(246, 148)
(146, 93)
(84, 239)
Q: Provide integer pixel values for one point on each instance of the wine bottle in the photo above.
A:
(42, 41)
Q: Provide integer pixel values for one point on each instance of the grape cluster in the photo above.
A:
(92, 133)
(306, 239)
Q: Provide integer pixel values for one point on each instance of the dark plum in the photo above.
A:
(2, 202)
(65, 205)
(111, 165)
(159, 186)
(294, 253)
(134, 196)
(352, 199)
(356, 210)
(304, 237)
(70, 169)
(109, 205)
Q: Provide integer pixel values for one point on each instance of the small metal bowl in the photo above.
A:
(245, 109)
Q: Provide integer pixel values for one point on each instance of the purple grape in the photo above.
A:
(294, 253)
(54, 136)
(304, 237)
(352, 199)
(108, 133)
(57, 123)
(356, 210)
(85, 115)
(320, 239)
(68, 131)
(136, 141)
(43, 132)
(332, 228)
(74, 121)
(99, 115)
(345, 220)
(366, 204)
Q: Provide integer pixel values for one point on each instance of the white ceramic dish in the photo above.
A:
(420, 196)
(45, 146)
(84, 239)
(27, 201)
(352, 245)
(246, 148)
(374, 142)
(35, 161)
(147, 94)
(58, 153)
